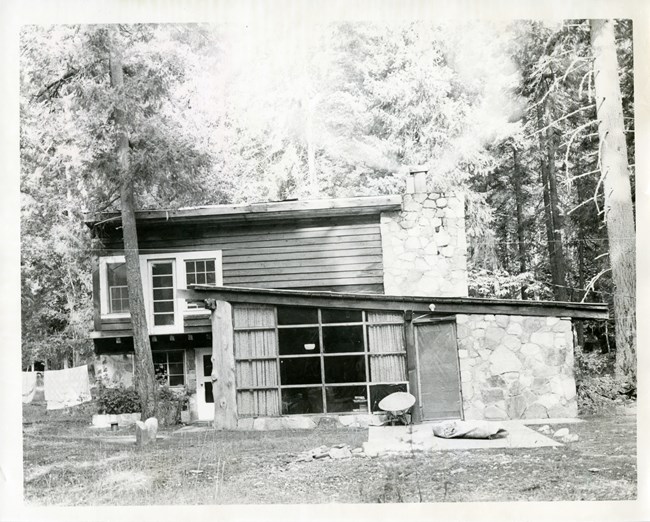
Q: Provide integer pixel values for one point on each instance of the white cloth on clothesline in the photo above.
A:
(29, 386)
(67, 387)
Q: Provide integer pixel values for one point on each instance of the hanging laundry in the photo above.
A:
(67, 387)
(29, 386)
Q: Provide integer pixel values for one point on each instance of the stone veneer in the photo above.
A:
(516, 367)
(424, 247)
(114, 369)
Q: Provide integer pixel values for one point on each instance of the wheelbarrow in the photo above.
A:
(397, 406)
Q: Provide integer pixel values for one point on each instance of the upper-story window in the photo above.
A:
(118, 292)
(162, 275)
(199, 272)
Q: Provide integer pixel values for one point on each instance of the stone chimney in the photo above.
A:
(424, 245)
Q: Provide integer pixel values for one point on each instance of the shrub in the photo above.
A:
(597, 389)
(114, 401)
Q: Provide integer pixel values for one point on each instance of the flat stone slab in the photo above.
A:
(562, 420)
(420, 437)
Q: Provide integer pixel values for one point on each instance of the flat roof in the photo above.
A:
(419, 304)
(291, 209)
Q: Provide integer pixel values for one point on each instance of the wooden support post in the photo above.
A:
(411, 364)
(223, 366)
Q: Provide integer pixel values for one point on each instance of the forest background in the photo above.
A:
(505, 113)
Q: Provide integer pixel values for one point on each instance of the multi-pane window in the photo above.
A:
(199, 272)
(327, 360)
(169, 367)
(162, 284)
(118, 291)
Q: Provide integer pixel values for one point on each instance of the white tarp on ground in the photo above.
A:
(67, 387)
(29, 386)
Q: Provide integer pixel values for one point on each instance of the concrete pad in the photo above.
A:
(541, 422)
(420, 437)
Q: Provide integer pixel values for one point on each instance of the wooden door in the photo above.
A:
(438, 370)
(204, 397)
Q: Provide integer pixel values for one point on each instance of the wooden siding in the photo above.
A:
(322, 254)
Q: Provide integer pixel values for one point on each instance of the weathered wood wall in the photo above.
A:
(326, 254)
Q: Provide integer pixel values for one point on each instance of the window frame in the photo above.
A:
(180, 282)
(167, 374)
(323, 385)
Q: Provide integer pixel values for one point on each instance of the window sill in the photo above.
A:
(122, 315)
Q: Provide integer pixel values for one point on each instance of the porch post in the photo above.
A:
(223, 365)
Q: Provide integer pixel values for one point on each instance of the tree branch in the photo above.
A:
(591, 284)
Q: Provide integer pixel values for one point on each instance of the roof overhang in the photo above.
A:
(418, 304)
(272, 211)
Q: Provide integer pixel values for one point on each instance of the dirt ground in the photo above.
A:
(68, 463)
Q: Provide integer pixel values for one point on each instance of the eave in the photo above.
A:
(417, 304)
(271, 211)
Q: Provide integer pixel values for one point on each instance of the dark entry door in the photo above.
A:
(438, 370)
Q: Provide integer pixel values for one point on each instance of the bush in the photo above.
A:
(170, 404)
(597, 389)
(115, 401)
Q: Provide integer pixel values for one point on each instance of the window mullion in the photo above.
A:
(322, 360)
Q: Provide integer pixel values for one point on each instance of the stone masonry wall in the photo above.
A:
(424, 247)
(114, 369)
(516, 367)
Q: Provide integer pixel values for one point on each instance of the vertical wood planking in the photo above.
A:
(223, 368)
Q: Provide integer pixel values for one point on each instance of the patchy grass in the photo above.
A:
(67, 463)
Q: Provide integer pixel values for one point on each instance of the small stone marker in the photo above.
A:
(546, 429)
(562, 432)
(340, 453)
(145, 432)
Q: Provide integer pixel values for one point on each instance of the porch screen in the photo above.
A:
(386, 354)
(256, 367)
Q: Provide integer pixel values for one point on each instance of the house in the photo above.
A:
(274, 314)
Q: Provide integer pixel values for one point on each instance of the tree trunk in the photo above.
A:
(145, 382)
(553, 235)
(519, 202)
(558, 223)
(619, 215)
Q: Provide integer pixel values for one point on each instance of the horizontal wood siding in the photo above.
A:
(342, 254)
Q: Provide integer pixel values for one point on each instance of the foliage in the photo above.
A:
(117, 400)
(598, 390)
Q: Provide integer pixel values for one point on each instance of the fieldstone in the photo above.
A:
(442, 238)
(493, 412)
(465, 376)
(562, 432)
(548, 400)
(356, 451)
(542, 338)
(562, 326)
(462, 332)
(492, 394)
(496, 381)
(532, 350)
(535, 411)
(532, 324)
(420, 197)
(556, 385)
(571, 437)
(462, 354)
(512, 342)
(447, 251)
(493, 335)
(489, 317)
(546, 429)
(554, 357)
(515, 407)
(514, 328)
(441, 202)
(550, 321)
(503, 360)
(299, 423)
(145, 432)
(568, 387)
(340, 453)
(502, 320)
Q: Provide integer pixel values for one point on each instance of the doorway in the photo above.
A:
(204, 397)
(438, 370)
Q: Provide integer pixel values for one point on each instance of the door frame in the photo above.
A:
(426, 321)
(204, 410)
